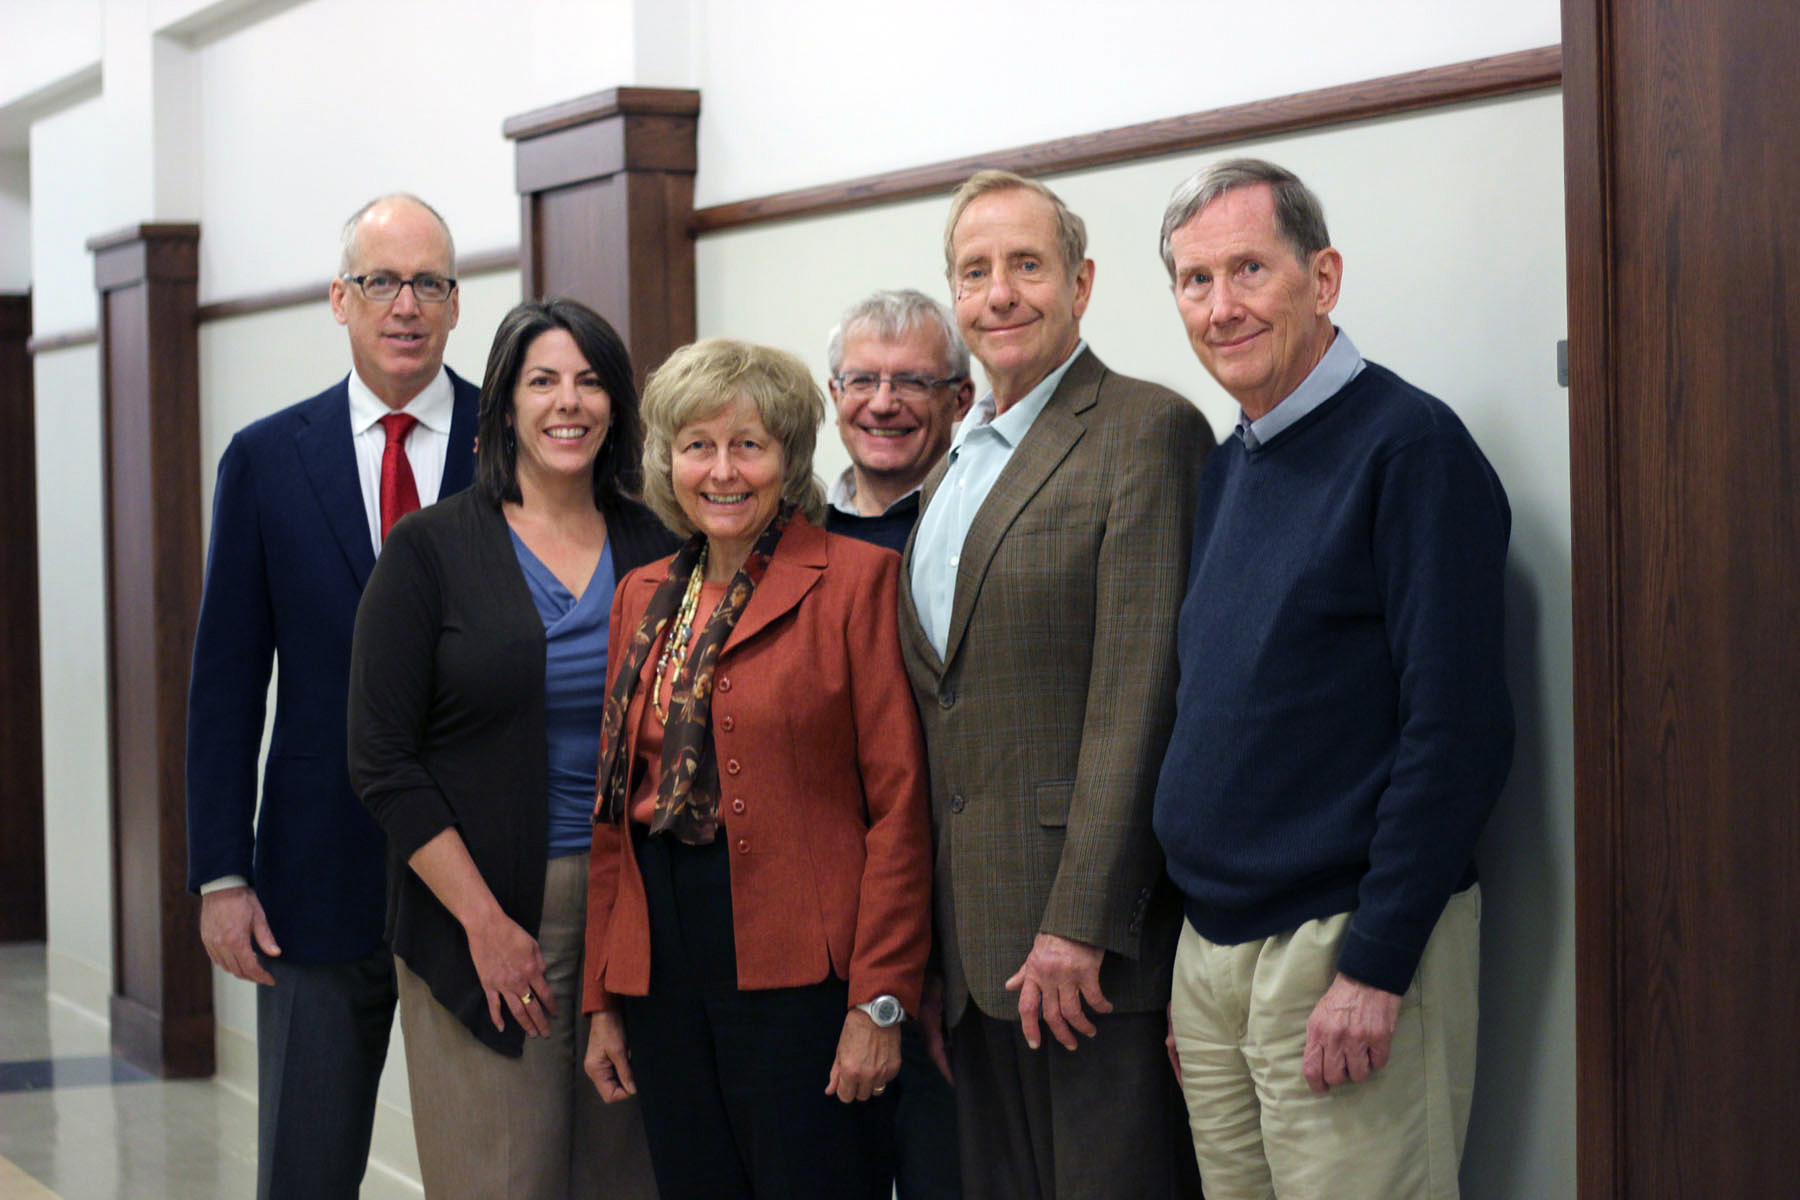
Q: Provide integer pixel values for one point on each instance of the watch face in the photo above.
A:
(884, 1011)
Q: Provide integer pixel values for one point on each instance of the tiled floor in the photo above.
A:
(78, 1125)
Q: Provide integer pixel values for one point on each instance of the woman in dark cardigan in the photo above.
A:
(476, 688)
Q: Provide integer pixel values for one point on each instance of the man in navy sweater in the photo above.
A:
(900, 383)
(1342, 727)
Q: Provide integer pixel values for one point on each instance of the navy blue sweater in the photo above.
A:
(890, 529)
(1342, 727)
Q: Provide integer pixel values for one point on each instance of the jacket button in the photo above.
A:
(731, 766)
(957, 803)
(743, 845)
(737, 805)
(724, 683)
(947, 699)
(727, 723)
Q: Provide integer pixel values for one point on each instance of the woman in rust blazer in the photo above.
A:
(759, 891)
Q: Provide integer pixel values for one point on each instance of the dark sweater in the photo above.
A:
(890, 529)
(446, 725)
(1342, 726)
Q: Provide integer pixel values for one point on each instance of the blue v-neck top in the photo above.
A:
(574, 690)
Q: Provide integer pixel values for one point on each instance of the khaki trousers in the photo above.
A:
(1239, 1016)
(530, 1128)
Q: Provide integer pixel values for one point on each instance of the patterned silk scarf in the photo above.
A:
(687, 795)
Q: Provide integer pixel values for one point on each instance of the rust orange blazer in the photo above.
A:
(822, 778)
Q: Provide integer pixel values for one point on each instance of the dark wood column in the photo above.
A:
(149, 353)
(1682, 169)
(21, 697)
(606, 191)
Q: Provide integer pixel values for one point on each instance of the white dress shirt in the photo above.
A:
(426, 446)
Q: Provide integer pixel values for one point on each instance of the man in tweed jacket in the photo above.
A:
(1038, 628)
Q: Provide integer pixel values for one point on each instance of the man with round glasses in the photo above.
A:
(293, 892)
(899, 383)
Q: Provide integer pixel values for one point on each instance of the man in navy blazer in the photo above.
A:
(293, 893)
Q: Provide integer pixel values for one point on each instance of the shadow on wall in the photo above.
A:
(1525, 883)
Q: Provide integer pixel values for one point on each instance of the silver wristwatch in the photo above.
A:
(884, 1011)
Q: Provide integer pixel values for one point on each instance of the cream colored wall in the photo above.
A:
(72, 604)
(1450, 223)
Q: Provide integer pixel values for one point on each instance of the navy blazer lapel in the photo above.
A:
(1042, 449)
(329, 458)
(459, 455)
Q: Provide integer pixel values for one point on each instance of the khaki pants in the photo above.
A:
(1239, 1015)
(530, 1128)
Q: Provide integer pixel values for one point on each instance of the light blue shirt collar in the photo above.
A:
(983, 445)
(1339, 366)
(1012, 425)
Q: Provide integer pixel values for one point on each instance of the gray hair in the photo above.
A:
(890, 315)
(347, 239)
(1299, 217)
(1071, 230)
(701, 378)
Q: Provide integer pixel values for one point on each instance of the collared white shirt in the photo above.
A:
(427, 445)
(979, 451)
(1340, 364)
(841, 495)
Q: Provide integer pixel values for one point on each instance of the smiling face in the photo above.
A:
(397, 346)
(897, 439)
(1257, 317)
(1017, 303)
(727, 471)
(561, 414)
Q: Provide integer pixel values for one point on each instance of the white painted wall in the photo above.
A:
(15, 221)
(806, 92)
(1451, 227)
(310, 113)
(71, 601)
(43, 43)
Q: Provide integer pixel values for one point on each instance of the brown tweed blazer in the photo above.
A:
(1045, 723)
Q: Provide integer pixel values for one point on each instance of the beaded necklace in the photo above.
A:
(680, 633)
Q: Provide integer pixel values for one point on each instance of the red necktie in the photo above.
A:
(399, 494)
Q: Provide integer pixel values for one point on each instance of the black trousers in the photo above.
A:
(1105, 1121)
(732, 1082)
(925, 1125)
(321, 1041)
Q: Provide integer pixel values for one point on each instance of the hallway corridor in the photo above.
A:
(77, 1124)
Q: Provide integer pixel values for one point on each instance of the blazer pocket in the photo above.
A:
(1053, 802)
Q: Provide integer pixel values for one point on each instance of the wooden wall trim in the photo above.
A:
(1476, 79)
(596, 106)
(1595, 599)
(468, 266)
(67, 340)
(146, 277)
(22, 897)
(606, 193)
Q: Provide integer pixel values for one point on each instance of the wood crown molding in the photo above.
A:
(1476, 79)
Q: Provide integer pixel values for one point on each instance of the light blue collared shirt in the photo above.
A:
(1341, 364)
(983, 445)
